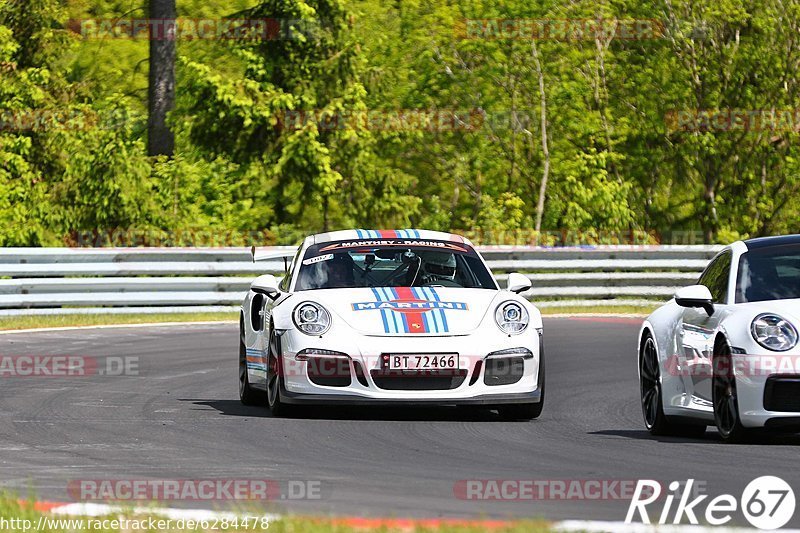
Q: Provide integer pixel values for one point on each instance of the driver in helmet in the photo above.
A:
(339, 272)
(437, 267)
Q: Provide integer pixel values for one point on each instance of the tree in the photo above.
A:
(291, 118)
(161, 87)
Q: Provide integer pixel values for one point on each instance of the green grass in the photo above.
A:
(57, 321)
(25, 516)
(601, 310)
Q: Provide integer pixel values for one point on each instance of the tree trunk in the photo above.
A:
(710, 221)
(161, 89)
(545, 148)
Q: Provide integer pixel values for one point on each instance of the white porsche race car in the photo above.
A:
(724, 351)
(391, 317)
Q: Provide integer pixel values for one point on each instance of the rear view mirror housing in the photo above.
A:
(266, 285)
(695, 296)
(518, 283)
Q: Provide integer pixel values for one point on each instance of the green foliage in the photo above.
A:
(504, 213)
(268, 118)
(67, 163)
(269, 140)
(594, 199)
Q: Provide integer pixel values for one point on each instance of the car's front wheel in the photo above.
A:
(247, 394)
(274, 374)
(725, 399)
(655, 420)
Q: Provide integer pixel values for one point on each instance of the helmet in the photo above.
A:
(339, 271)
(438, 265)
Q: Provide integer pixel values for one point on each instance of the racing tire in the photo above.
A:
(725, 399)
(656, 422)
(274, 378)
(526, 411)
(247, 394)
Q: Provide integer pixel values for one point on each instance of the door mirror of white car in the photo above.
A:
(695, 296)
(518, 283)
(266, 285)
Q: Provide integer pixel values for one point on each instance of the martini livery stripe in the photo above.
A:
(412, 320)
(439, 315)
(388, 234)
(255, 360)
(410, 309)
(390, 322)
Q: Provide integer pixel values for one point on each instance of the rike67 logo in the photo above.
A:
(767, 503)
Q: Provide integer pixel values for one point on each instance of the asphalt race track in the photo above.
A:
(180, 418)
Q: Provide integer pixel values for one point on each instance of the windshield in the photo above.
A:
(392, 263)
(771, 273)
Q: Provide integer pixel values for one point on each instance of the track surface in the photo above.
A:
(181, 419)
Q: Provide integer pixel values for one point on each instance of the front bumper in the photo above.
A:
(761, 386)
(488, 400)
(370, 386)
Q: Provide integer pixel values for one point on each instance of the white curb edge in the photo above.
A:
(600, 526)
(101, 509)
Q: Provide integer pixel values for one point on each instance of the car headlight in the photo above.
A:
(311, 318)
(511, 318)
(773, 332)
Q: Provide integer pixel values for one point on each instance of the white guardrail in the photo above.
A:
(160, 280)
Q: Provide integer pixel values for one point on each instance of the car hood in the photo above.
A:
(398, 311)
(789, 309)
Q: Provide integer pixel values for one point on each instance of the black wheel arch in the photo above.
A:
(647, 332)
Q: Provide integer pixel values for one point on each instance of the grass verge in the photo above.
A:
(17, 516)
(58, 321)
(600, 310)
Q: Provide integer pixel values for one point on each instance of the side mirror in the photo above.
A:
(266, 285)
(518, 283)
(695, 296)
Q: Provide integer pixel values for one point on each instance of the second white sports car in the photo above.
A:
(725, 352)
(391, 317)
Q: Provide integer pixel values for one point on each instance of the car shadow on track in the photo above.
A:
(710, 437)
(439, 414)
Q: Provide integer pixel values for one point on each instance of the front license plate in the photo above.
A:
(446, 361)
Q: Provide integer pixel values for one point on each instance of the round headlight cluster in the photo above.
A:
(774, 332)
(511, 317)
(311, 318)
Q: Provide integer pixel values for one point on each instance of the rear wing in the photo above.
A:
(273, 252)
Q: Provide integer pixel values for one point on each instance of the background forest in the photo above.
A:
(584, 133)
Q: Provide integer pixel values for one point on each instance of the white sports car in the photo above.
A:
(391, 317)
(724, 351)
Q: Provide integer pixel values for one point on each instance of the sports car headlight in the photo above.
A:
(773, 332)
(311, 318)
(511, 318)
